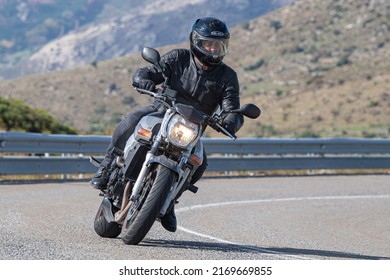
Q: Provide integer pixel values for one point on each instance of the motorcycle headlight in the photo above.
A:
(181, 132)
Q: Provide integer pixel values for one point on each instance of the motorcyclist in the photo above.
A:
(200, 78)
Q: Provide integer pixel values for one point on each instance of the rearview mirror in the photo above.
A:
(151, 55)
(249, 110)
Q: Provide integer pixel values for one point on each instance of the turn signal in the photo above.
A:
(195, 159)
(144, 133)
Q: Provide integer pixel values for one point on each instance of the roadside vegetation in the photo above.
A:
(15, 115)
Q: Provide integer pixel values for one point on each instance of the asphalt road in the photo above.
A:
(273, 218)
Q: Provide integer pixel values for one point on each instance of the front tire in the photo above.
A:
(146, 209)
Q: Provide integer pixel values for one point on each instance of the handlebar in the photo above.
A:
(161, 96)
(145, 91)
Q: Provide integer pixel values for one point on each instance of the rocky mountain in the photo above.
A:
(46, 35)
(25, 26)
(317, 68)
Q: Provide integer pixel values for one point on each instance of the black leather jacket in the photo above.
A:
(205, 90)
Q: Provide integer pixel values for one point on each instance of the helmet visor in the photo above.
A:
(210, 46)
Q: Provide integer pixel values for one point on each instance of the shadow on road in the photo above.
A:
(222, 247)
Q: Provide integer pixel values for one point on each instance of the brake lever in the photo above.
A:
(214, 120)
(224, 131)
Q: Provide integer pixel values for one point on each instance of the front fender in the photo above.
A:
(168, 163)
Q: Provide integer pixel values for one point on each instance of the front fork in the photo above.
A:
(144, 171)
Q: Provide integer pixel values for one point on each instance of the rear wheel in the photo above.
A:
(146, 208)
(103, 227)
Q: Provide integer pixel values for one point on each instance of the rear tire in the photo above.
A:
(103, 228)
(147, 208)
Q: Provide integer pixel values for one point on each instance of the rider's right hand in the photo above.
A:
(147, 84)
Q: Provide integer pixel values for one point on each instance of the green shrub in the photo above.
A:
(16, 115)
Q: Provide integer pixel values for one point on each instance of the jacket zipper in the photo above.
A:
(197, 84)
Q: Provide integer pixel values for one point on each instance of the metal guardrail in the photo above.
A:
(32, 153)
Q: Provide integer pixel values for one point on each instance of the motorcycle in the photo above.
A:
(157, 164)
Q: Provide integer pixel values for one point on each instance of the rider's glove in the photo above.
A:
(230, 127)
(232, 122)
(147, 84)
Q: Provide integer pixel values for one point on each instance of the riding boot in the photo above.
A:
(168, 221)
(100, 180)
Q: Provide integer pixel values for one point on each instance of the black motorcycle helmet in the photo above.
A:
(209, 40)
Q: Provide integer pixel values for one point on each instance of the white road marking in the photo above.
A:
(271, 200)
(244, 246)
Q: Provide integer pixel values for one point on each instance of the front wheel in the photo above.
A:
(146, 208)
